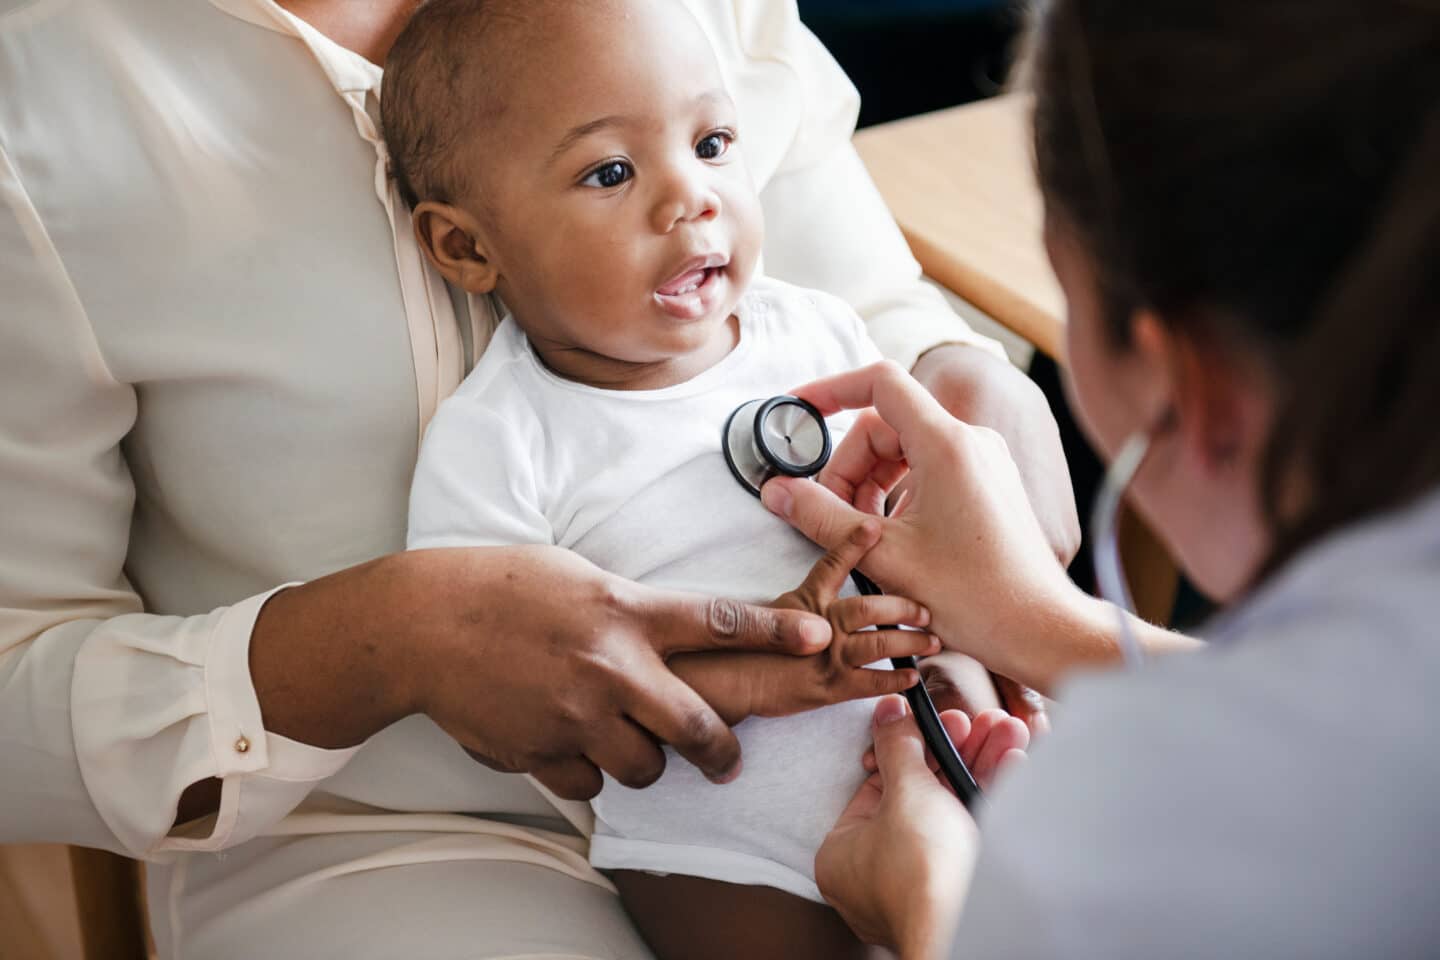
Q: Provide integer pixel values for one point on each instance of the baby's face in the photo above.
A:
(620, 218)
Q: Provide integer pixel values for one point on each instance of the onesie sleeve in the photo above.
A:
(107, 712)
(475, 482)
(827, 226)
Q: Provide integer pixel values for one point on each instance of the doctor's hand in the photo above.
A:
(965, 542)
(980, 388)
(897, 863)
(740, 685)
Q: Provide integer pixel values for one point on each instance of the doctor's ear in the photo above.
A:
(1204, 386)
(452, 240)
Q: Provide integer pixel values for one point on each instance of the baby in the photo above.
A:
(581, 160)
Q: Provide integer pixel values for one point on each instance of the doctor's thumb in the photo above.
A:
(899, 748)
(812, 509)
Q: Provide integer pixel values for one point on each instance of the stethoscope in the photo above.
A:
(786, 436)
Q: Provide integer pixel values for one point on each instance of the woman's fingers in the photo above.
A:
(896, 396)
(572, 779)
(1006, 734)
(866, 464)
(673, 713)
(899, 748)
(627, 753)
(812, 509)
(675, 622)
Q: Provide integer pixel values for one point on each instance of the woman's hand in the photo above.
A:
(965, 542)
(739, 685)
(530, 657)
(897, 863)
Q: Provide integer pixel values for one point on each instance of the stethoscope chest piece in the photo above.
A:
(782, 436)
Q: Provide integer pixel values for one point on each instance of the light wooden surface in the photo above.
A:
(961, 184)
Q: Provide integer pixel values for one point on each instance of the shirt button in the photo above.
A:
(242, 745)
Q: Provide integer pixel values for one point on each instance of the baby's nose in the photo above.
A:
(686, 200)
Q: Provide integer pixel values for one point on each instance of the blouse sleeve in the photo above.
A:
(827, 226)
(107, 712)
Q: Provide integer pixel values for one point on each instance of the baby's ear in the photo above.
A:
(451, 239)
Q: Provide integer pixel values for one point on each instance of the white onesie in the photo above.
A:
(635, 481)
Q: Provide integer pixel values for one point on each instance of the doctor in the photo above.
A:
(1243, 210)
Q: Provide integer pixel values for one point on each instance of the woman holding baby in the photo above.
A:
(1243, 212)
(1234, 189)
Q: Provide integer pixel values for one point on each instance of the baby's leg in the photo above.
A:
(690, 918)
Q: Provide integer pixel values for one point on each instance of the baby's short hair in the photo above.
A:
(443, 81)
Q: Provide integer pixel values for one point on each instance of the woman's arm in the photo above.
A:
(109, 713)
(966, 542)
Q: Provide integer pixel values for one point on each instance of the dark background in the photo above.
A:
(912, 56)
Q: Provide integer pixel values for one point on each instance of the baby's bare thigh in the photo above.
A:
(690, 918)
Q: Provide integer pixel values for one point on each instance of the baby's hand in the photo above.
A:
(990, 744)
(740, 685)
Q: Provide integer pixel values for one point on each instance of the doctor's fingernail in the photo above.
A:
(777, 499)
(889, 710)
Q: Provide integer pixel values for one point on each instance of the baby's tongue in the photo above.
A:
(683, 282)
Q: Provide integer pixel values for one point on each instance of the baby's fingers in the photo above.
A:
(862, 684)
(826, 579)
(868, 646)
(857, 613)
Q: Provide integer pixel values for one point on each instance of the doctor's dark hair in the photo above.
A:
(1267, 173)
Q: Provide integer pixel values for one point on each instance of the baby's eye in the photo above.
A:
(609, 174)
(713, 146)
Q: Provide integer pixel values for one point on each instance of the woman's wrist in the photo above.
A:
(1073, 632)
(333, 661)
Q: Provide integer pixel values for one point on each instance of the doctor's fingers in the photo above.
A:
(866, 464)
(820, 515)
(679, 622)
(897, 397)
(899, 748)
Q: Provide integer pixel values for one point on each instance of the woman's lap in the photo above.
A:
(381, 895)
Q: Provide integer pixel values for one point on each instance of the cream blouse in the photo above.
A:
(219, 345)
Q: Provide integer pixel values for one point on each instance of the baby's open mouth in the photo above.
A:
(687, 282)
(691, 292)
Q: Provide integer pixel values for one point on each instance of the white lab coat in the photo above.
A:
(1275, 796)
(219, 346)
